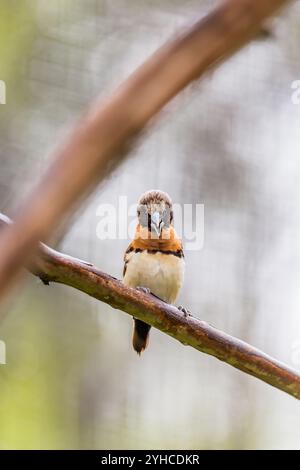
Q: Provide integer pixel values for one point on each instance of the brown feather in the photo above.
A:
(169, 240)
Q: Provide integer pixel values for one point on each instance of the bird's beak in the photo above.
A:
(156, 223)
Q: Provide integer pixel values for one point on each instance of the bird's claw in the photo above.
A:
(146, 290)
(185, 311)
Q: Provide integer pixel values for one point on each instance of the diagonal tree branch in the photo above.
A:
(52, 266)
(102, 137)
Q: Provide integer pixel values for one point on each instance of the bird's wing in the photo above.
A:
(126, 257)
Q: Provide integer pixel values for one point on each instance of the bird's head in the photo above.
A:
(155, 214)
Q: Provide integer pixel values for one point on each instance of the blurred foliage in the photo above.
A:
(17, 32)
(40, 376)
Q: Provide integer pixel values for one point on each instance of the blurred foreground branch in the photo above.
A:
(101, 139)
(52, 266)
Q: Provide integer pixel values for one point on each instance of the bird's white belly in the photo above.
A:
(161, 273)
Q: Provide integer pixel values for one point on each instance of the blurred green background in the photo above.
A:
(230, 142)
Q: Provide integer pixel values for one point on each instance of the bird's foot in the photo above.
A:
(146, 290)
(185, 311)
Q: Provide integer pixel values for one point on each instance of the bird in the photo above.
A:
(154, 260)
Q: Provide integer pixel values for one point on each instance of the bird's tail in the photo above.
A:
(140, 336)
